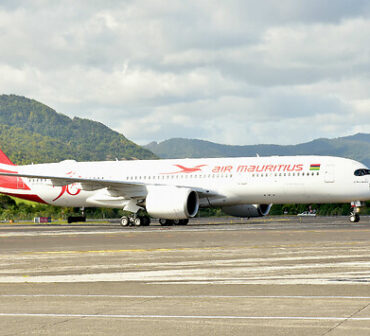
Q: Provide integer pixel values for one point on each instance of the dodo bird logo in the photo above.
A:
(186, 170)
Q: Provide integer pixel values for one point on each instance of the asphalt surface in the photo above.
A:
(269, 276)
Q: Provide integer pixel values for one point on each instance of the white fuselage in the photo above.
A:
(248, 180)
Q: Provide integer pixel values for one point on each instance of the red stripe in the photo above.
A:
(12, 182)
(4, 159)
(33, 198)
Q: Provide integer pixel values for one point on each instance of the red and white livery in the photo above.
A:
(174, 190)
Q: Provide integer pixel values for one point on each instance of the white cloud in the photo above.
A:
(235, 72)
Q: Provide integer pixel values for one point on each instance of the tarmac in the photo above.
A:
(265, 276)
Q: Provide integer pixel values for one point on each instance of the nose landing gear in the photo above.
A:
(354, 217)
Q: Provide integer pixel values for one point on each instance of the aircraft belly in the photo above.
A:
(249, 194)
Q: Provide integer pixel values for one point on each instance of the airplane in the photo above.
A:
(174, 190)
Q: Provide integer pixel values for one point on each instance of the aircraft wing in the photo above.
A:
(128, 189)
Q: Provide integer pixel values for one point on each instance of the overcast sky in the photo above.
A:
(234, 72)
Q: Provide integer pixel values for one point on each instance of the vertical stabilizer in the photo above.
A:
(4, 159)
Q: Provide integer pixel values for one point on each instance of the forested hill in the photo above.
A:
(356, 147)
(33, 132)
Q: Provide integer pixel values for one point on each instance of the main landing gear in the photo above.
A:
(134, 220)
(169, 222)
(75, 219)
(354, 217)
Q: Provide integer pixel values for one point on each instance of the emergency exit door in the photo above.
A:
(329, 173)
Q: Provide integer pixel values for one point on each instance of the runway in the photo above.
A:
(269, 276)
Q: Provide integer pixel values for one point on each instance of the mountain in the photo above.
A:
(356, 147)
(33, 132)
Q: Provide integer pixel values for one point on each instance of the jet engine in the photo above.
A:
(171, 202)
(248, 210)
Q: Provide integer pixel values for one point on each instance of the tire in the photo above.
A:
(138, 221)
(354, 218)
(166, 222)
(124, 221)
(146, 221)
(184, 221)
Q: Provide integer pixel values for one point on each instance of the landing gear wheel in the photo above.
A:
(145, 221)
(354, 217)
(184, 222)
(176, 222)
(124, 221)
(166, 222)
(138, 221)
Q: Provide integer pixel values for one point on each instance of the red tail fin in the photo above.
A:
(4, 159)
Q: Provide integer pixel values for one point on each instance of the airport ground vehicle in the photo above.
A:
(307, 214)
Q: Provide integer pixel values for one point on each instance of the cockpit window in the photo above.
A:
(362, 172)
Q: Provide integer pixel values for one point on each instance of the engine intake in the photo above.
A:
(172, 202)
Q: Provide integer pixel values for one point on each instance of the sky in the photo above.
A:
(232, 72)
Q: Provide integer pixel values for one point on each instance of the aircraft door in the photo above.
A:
(20, 183)
(329, 173)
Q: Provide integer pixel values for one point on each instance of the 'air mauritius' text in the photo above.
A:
(259, 168)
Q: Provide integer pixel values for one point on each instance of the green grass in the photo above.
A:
(19, 201)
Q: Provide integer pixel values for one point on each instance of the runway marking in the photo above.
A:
(220, 317)
(221, 276)
(190, 296)
(172, 230)
(332, 246)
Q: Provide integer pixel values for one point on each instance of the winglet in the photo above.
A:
(4, 159)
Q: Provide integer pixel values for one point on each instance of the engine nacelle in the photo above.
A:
(248, 210)
(172, 202)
